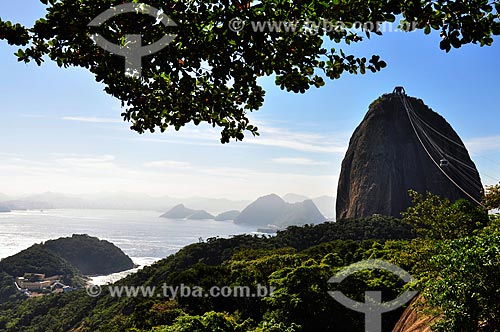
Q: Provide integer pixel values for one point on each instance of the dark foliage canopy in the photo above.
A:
(209, 73)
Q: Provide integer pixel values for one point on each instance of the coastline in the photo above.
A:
(140, 263)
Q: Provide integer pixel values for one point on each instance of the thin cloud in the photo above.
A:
(90, 119)
(483, 144)
(87, 174)
(270, 136)
(299, 141)
(292, 144)
(167, 164)
(298, 161)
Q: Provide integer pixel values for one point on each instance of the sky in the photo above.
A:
(60, 132)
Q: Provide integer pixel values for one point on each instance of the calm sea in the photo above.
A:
(142, 235)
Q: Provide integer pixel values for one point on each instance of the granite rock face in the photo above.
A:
(385, 159)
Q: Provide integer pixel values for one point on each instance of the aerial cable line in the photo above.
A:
(493, 170)
(441, 152)
(491, 177)
(465, 176)
(435, 130)
(407, 107)
(490, 160)
(460, 162)
(404, 102)
(419, 118)
(419, 125)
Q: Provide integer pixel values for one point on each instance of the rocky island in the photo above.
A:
(182, 212)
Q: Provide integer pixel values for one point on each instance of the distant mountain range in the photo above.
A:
(116, 201)
(4, 197)
(273, 210)
(223, 209)
(3, 207)
(267, 211)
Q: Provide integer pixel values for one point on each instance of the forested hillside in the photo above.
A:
(440, 243)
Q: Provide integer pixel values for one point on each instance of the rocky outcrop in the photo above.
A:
(414, 321)
(385, 159)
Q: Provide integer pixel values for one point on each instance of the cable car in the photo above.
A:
(443, 162)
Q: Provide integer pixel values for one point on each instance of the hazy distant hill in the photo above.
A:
(294, 198)
(138, 201)
(4, 209)
(4, 197)
(48, 200)
(228, 215)
(182, 212)
(117, 201)
(128, 201)
(265, 210)
(273, 210)
(200, 215)
(214, 205)
(325, 204)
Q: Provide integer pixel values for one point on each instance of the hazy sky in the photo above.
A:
(61, 132)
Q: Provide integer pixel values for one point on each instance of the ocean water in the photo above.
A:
(142, 235)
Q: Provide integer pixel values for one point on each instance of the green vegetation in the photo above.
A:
(90, 255)
(210, 73)
(457, 272)
(37, 259)
(8, 291)
(437, 218)
(492, 197)
(464, 283)
(69, 258)
(282, 261)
